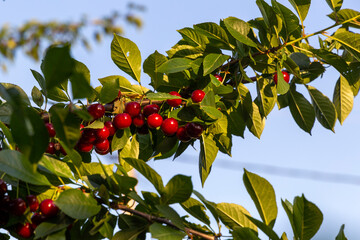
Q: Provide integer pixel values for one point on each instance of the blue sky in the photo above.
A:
(282, 144)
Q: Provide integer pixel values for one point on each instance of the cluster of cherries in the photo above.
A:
(17, 207)
(53, 148)
(142, 118)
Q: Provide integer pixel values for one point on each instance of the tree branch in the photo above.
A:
(151, 219)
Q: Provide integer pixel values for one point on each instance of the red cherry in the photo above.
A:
(84, 147)
(51, 148)
(197, 96)
(102, 152)
(96, 110)
(37, 219)
(218, 77)
(32, 202)
(5, 203)
(169, 126)
(122, 120)
(3, 187)
(139, 120)
(285, 75)
(143, 130)
(174, 102)
(193, 130)
(88, 136)
(24, 230)
(102, 133)
(48, 208)
(51, 130)
(110, 126)
(182, 135)
(18, 207)
(133, 108)
(81, 126)
(102, 145)
(150, 109)
(154, 120)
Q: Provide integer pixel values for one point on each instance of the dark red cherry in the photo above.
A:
(139, 120)
(102, 133)
(96, 110)
(24, 230)
(174, 102)
(88, 136)
(33, 203)
(193, 130)
(3, 187)
(197, 96)
(150, 109)
(110, 126)
(84, 147)
(182, 135)
(122, 120)
(154, 120)
(37, 219)
(51, 148)
(48, 208)
(18, 207)
(169, 126)
(102, 145)
(51, 130)
(133, 108)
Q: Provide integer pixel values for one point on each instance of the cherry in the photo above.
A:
(154, 120)
(285, 75)
(174, 102)
(48, 208)
(122, 120)
(193, 130)
(18, 207)
(51, 130)
(51, 148)
(102, 145)
(88, 136)
(84, 147)
(102, 152)
(3, 187)
(5, 202)
(133, 108)
(139, 120)
(143, 130)
(197, 96)
(32, 202)
(150, 109)
(96, 110)
(62, 151)
(218, 77)
(169, 126)
(37, 219)
(110, 126)
(24, 230)
(102, 133)
(182, 135)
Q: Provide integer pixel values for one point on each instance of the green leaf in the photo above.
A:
(244, 233)
(268, 14)
(307, 218)
(29, 132)
(263, 195)
(212, 61)
(209, 205)
(57, 65)
(130, 150)
(301, 110)
(289, 19)
(341, 235)
(214, 31)
(350, 41)
(161, 96)
(282, 87)
(161, 232)
(120, 139)
(37, 96)
(234, 215)
(129, 234)
(267, 95)
(47, 228)
(265, 228)
(6, 131)
(60, 235)
(80, 81)
(239, 29)
(343, 99)
(324, 109)
(208, 152)
(348, 16)
(77, 204)
(301, 60)
(97, 124)
(177, 190)
(212, 112)
(57, 167)
(40, 79)
(11, 92)
(236, 121)
(126, 56)
(335, 5)
(15, 165)
(123, 83)
(192, 37)
(175, 65)
(255, 122)
(172, 215)
(57, 94)
(149, 173)
(196, 209)
(66, 124)
(151, 65)
(301, 7)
